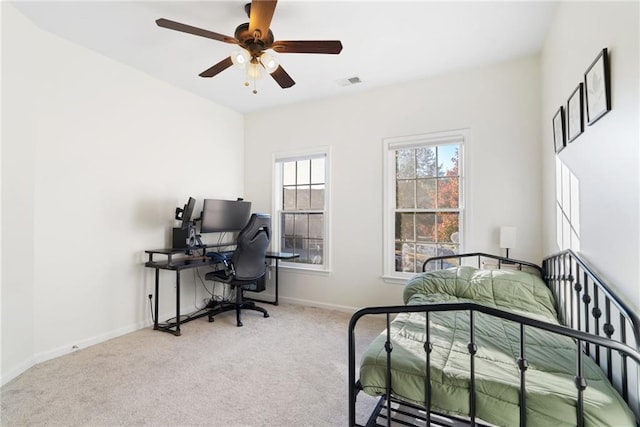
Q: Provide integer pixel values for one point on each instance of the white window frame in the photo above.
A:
(390, 145)
(278, 159)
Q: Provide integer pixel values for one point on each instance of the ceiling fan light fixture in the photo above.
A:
(269, 62)
(240, 58)
(253, 71)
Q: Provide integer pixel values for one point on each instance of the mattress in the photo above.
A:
(550, 377)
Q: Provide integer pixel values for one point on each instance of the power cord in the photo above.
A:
(151, 309)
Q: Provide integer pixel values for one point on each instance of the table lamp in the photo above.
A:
(507, 237)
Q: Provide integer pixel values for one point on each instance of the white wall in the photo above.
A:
(606, 157)
(95, 158)
(500, 105)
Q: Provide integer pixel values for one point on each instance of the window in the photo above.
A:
(423, 200)
(567, 208)
(301, 207)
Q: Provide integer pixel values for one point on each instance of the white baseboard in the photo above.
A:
(326, 306)
(70, 348)
(14, 373)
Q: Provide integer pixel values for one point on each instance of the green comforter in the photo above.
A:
(551, 391)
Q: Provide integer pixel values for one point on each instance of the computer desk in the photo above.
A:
(189, 262)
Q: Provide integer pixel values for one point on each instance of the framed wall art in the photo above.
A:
(575, 116)
(597, 88)
(558, 130)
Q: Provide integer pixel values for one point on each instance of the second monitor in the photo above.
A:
(224, 215)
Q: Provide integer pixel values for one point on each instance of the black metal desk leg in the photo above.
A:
(177, 333)
(155, 321)
(276, 301)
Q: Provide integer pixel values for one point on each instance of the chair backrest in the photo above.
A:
(249, 256)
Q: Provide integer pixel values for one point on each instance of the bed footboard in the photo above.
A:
(595, 319)
(587, 303)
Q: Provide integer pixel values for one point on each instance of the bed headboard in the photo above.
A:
(479, 260)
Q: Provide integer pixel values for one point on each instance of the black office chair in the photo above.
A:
(247, 266)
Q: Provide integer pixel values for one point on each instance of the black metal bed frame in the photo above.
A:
(590, 312)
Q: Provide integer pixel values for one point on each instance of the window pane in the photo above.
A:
(398, 257)
(304, 172)
(426, 227)
(289, 173)
(438, 251)
(315, 251)
(301, 225)
(405, 164)
(448, 193)
(405, 194)
(423, 252)
(316, 225)
(317, 171)
(447, 225)
(405, 227)
(303, 196)
(287, 245)
(300, 247)
(407, 257)
(448, 160)
(287, 224)
(427, 165)
(317, 197)
(289, 198)
(426, 193)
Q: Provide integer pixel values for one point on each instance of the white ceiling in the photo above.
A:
(385, 42)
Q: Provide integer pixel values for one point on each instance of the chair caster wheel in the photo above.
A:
(266, 315)
(239, 324)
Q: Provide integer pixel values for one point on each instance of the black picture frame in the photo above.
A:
(559, 141)
(597, 88)
(575, 115)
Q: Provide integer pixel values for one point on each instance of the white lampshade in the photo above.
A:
(253, 71)
(507, 237)
(240, 58)
(269, 62)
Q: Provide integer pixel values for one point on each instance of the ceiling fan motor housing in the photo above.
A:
(254, 43)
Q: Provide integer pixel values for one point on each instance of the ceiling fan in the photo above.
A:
(255, 38)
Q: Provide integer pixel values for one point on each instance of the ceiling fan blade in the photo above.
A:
(173, 25)
(282, 78)
(218, 68)
(261, 15)
(308, 46)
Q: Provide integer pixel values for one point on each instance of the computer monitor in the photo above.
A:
(185, 213)
(224, 215)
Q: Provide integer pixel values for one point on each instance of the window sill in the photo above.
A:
(300, 269)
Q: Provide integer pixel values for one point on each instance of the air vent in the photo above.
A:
(349, 81)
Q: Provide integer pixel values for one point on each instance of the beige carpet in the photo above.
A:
(287, 370)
